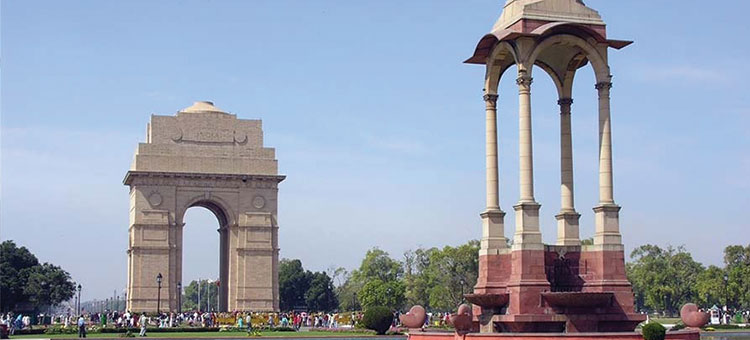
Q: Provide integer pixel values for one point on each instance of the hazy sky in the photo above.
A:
(376, 122)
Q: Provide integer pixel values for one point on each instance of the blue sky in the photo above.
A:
(376, 122)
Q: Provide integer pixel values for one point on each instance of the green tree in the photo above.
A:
(378, 293)
(207, 290)
(378, 265)
(416, 282)
(294, 282)
(382, 273)
(49, 285)
(321, 295)
(438, 278)
(663, 279)
(737, 290)
(709, 286)
(24, 280)
(346, 290)
(452, 272)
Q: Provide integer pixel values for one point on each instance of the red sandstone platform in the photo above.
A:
(677, 335)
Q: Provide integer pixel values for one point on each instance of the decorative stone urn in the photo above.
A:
(461, 321)
(692, 317)
(414, 319)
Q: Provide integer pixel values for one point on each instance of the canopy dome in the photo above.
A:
(569, 11)
(202, 107)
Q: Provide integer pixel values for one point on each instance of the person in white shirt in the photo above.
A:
(81, 327)
(142, 321)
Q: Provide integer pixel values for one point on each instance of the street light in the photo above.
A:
(726, 296)
(179, 297)
(158, 292)
(208, 294)
(79, 300)
(726, 289)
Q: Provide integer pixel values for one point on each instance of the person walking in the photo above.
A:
(81, 327)
(142, 321)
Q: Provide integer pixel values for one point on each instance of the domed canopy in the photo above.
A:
(202, 107)
(537, 18)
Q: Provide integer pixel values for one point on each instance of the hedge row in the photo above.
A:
(161, 330)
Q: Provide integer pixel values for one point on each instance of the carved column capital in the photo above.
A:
(524, 80)
(565, 104)
(490, 97)
(490, 101)
(605, 85)
(565, 101)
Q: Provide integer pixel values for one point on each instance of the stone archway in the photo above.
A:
(204, 157)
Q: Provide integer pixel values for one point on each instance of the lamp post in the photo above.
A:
(208, 295)
(78, 308)
(179, 297)
(726, 296)
(158, 292)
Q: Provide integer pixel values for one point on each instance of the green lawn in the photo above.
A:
(222, 335)
(670, 321)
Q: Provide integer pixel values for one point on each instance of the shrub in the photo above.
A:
(378, 319)
(677, 327)
(653, 331)
(61, 330)
(31, 331)
(161, 330)
(283, 329)
(358, 329)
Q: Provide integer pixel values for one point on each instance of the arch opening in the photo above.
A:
(195, 255)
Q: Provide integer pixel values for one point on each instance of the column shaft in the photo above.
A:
(566, 157)
(567, 220)
(493, 201)
(525, 151)
(527, 235)
(605, 145)
(493, 226)
(606, 214)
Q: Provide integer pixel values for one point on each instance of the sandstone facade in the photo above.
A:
(204, 157)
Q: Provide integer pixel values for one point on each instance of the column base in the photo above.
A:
(567, 228)
(607, 222)
(527, 234)
(493, 240)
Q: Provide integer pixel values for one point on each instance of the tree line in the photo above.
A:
(663, 280)
(28, 284)
(435, 278)
(666, 278)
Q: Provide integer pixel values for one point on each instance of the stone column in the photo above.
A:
(527, 276)
(527, 235)
(567, 219)
(607, 212)
(493, 226)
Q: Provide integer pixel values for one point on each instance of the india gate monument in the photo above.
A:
(203, 157)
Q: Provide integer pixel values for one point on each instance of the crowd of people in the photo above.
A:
(127, 320)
